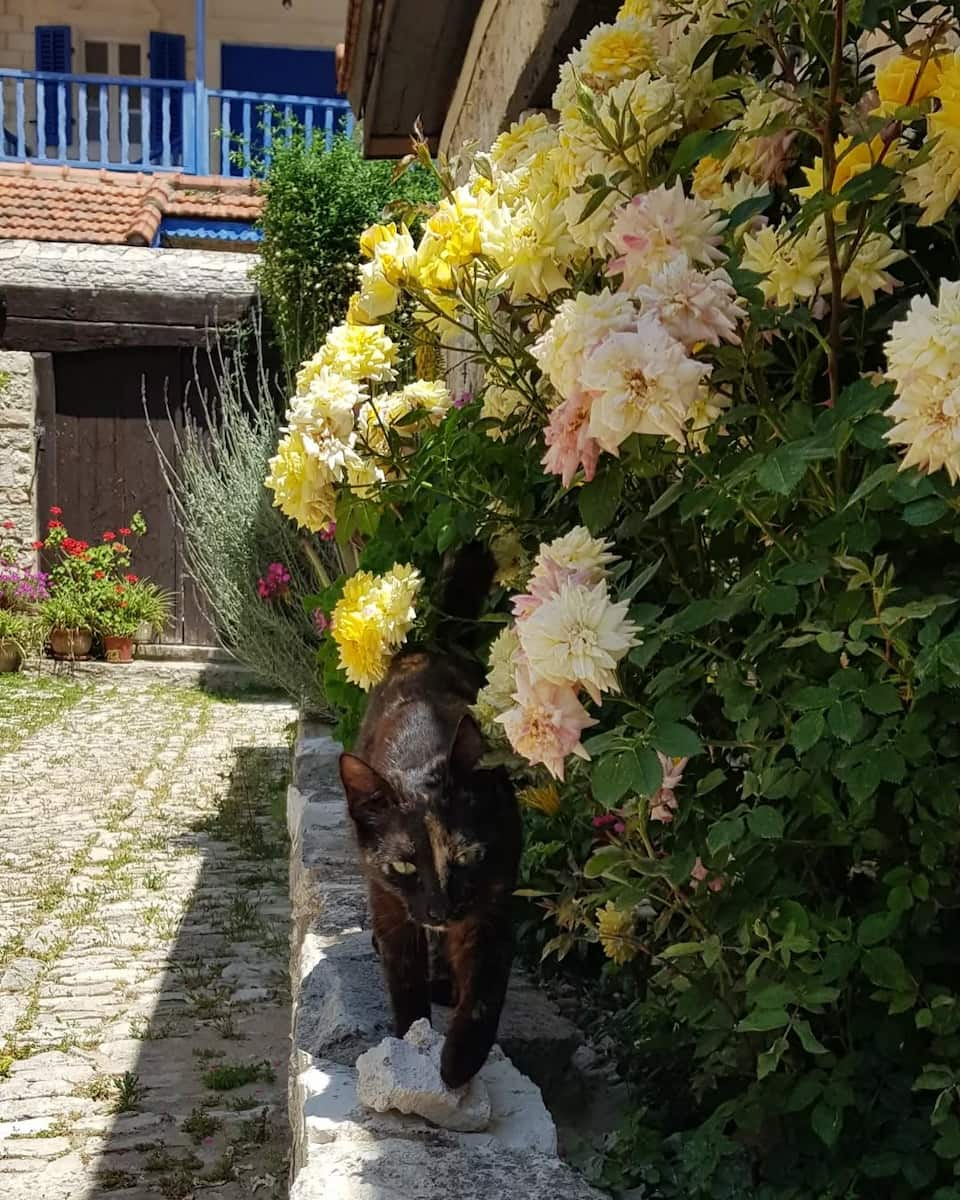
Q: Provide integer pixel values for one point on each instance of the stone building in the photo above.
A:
(131, 136)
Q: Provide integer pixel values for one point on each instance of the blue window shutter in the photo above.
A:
(168, 60)
(54, 53)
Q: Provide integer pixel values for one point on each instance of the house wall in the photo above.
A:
(318, 24)
(18, 403)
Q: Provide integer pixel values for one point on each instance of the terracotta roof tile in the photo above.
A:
(70, 204)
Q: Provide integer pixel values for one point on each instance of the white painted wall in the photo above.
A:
(319, 24)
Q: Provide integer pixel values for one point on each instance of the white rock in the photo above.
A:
(405, 1075)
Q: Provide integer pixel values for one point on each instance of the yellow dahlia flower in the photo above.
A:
(371, 619)
(615, 927)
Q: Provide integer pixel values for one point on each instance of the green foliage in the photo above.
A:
(233, 532)
(317, 205)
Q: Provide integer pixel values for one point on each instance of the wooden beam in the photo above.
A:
(27, 302)
(39, 334)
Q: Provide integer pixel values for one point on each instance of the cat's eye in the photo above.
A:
(403, 868)
(470, 855)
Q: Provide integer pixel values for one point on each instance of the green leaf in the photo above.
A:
(667, 498)
(681, 950)
(724, 833)
(701, 144)
(769, 1060)
(900, 899)
(867, 184)
(676, 740)
(763, 1019)
(875, 479)
(845, 719)
(883, 1165)
(612, 777)
(826, 1121)
(606, 859)
(782, 470)
(600, 499)
(926, 511)
(877, 928)
(647, 774)
(814, 697)
(885, 968)
(807, 731)
(779, 599)
(933, 1078)
(804, 1094)
(830, 642)
(765, 822)
(773, 995)
(808, 1039)
(882, 699)
(709, 782)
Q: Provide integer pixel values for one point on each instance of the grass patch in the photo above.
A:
(236, 1075)
(29, 701)
(200, 1125)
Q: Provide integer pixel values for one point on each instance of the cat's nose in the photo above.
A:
(437, 912)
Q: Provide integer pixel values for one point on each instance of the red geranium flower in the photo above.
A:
(131, 578)
(99, 574)
(54, 524)
(119, 589)
(55, 512)
(8, 524)
(36, 545)
(109, 536)
(124, 531)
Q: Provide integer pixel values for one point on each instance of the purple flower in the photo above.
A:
(328, 533)
(321, 622)
(463, 400)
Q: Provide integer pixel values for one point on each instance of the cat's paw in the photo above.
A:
(460, 1061)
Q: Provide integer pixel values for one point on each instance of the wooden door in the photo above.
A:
(99, 462)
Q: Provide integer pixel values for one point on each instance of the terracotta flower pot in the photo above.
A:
(10, 658)
(70, 643)
(118, 649)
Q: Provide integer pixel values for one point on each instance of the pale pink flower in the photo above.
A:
(574, 558)
(654, 227)
(663, 803)
(546, 723)
(569, 442)
(698, 873)
(642, 382)
(694, 306)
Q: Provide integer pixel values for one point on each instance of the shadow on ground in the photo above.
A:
(196, 1066)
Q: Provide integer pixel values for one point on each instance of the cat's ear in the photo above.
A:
(467, 747)
(367, 791)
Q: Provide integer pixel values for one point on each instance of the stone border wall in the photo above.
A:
(18, 452)
(343, 1152)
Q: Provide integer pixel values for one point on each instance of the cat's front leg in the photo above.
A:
(403, 951)
(480, 950)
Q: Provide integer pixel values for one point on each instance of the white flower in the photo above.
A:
(641, 382)
(577, 637)
(795, 267)
(432, 395)
(867, 274)
(694, 306)
(923, 361)
(654, 227)
(326, 406)
(499, 404)
(578, 552)
(531, 245)
(580, 325)
(496, 696)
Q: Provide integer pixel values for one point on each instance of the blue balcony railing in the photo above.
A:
(131, 124)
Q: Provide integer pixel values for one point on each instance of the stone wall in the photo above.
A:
(18, 400)
(342, 1151)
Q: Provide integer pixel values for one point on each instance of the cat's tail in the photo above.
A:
(467, 579)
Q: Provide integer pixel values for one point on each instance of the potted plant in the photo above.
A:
(151, 605)
(18, 635)
(117, 628)
(68, 617)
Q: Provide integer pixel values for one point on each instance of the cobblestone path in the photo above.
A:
(144, 1010)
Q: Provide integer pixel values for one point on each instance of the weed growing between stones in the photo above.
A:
(228, 1076)
(128, 1092)
(199, 1125)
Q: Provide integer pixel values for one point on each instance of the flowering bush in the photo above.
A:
(715, 452)
(91, 585)
(22, 587)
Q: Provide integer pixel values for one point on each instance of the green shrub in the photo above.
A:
(317, 204)
(233, 533)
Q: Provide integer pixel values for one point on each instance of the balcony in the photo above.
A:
(131, 124)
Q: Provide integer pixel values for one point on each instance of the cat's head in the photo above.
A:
(444, 837)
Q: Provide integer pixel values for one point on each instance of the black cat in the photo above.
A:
(439, 839)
